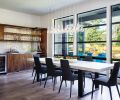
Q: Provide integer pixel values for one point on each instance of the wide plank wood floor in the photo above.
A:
(18, 86)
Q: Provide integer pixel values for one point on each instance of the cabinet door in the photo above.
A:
(28, 64)
(10, 63)
(1, 32)
(17, 62)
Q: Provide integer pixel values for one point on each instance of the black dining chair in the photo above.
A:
(52, 71)
(106, 81)
(39, 68)
(33, 70)
(67, 74)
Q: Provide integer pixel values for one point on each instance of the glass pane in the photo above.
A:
(93, 17)
(58, 49)
(95, 33)
(69, 49)
(80, 36)
(116, 32)
(92, 34)
(92, 49)
(116, 50)
(58, 37)
(70, 37)
(116, 13)
(62, 23)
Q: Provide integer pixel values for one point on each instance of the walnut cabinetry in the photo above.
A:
(43, 43)
(1, 32)
(18, 62)
(35, 36)
(22, 39)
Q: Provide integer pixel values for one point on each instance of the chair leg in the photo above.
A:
(52, 79)
(118, 90)
(45, 82)
(70, 88)
(91, 77)
(92, 90)
(56, 80)
(54, 83)
(110, 93)
(32, 71)
(84, 81)
(60, 78)
(101, 89)
(40, 78)
(73, 82)
(65, 83)
(60, 86)
(44, 75)
(34, 78)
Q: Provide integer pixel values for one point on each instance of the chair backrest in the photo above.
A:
(114, 74)
(37, 63)
(66, 72)
(50, 66)
(88, 58)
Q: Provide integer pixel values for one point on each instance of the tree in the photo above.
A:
(117, 31)
(95, 33)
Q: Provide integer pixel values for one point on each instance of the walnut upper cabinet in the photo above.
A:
(1, 32)
(43, 43)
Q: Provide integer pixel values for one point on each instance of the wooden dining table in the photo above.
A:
(82, 66)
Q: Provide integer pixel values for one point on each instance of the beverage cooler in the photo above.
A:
(3, 68)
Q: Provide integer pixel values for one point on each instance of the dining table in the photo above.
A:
(82, 66)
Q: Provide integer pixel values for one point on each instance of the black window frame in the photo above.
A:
(113, 41)
(97, 25)
(62, 43)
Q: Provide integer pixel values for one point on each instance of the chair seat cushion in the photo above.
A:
(57, 73)
(102, 80)
(75, 76)
(43, 66)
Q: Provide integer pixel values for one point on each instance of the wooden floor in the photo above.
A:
(18, 86)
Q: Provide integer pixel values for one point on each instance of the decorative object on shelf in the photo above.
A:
(39, 48)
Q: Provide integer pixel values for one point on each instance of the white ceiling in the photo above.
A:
(37, 7)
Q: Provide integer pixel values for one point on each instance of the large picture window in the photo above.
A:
(63, 42)
(91, 37)
(116, 32)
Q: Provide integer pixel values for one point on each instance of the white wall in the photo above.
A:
(20, 19)
(72, 10)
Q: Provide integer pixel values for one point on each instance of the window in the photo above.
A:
(116, 32)
(63, 42)
(91, 37)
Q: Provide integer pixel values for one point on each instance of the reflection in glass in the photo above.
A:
(93, 49)
(58, 49)
(116, 50)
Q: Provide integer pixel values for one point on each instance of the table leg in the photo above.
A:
(96, 76)
(80, 83)
(81, 92)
